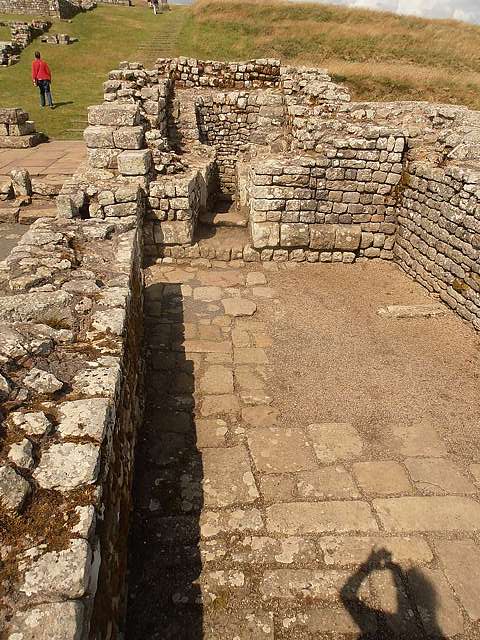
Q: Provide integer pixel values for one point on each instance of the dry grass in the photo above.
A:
(378, 55)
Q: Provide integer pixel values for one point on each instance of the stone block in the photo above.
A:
(13, 489)
(228, 478)
(51, 621)
(68, 465)
(294, 235)
(334, 441)
(114, 115)
(129, 138)
(382, 477)
(59, 575)
(173, 232)
(299, 518)
(97, 137)
(280, 450)
(265, 234)
(433, 476)
(134, 163)
(432, 513)
(322, 237)
(121, 210)
(347, 238)
(102, 158)
(460, 560)
(346, 551)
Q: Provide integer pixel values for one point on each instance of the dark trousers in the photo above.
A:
(44, 87)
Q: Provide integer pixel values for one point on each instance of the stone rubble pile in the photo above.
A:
(17, 131)
(58, 38)
(22, 34)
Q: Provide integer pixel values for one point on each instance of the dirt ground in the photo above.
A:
(332, 354)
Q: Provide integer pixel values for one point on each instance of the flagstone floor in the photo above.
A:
(306, 468)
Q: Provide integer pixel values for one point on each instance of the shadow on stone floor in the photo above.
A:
(395, 583)
(164, 597)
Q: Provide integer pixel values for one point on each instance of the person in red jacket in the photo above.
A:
(42, 78)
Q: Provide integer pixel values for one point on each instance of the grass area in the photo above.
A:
(106, 35)
(380, 56)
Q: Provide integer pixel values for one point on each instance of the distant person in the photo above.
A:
(155, 6)
(42, 78)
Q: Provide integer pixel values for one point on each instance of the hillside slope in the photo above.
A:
(380, 56)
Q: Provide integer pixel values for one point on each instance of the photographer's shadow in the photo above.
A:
(405, 622)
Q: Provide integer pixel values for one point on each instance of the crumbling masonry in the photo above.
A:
(306, 173)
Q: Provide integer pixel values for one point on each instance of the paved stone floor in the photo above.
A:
(306, 469)
(60, 157)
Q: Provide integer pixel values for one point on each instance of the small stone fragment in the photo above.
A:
(13, 489)
(21, 454)
(42, 382)
(239, 307)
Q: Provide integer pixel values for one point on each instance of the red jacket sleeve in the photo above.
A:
(47, 69)
(34, 70)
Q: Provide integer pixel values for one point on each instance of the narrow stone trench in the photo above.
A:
(266, 509)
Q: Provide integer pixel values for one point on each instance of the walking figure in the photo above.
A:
(42, 78)
(155, 6)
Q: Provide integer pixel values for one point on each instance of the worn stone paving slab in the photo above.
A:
(250, 523)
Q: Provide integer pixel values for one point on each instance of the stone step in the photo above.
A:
(231, 218)
(29, 214)
(215, 242)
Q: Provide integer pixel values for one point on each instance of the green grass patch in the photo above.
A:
(107, 35)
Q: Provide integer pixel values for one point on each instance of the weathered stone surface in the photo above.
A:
(13, 489)
(35, 307)
(260, 416)
(52, 621)
(210, 432)
(84, 418)
(128, 137)
(347, 238)
(111, 114)
(228, 479)
(256, 278)
(59, 574)
(280, 450)
(241, 625)
(414, 440)
(67, 465)
(311, 584)
(266, 550)
(134, 163)
(42, 382)
(300, 518)
(333, 620)
(440, 614)
(207, 294)
(101, 381)
(382, 478)
(111, 321)
(438, 477)
(239, 307)
(220, 404)
(439, 513)
(322, 237)
(460, 560)
(412, 311)
(335, 441)
(217, 379)
(327, 482)
(249, 356)
(33, 424)
(230, 521)
(21, 454)
(343, 551)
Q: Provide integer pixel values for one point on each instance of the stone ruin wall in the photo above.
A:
(64, 9)
(335, 181)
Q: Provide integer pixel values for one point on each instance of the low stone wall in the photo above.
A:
(341, 200)
(55, 8)
(232, 121)
(438, 239)
(17, 131)
(70, 352)
(175, 203)
(190, 72)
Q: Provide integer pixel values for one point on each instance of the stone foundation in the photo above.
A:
(335, 182)
(17, 131)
